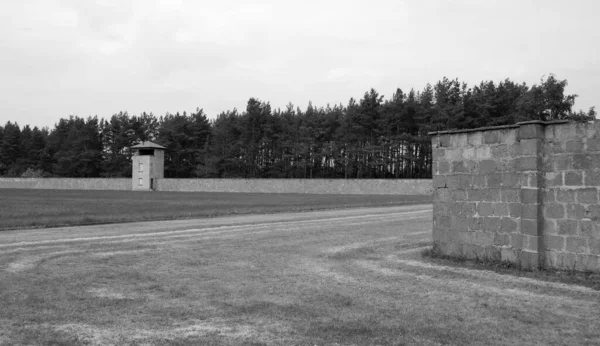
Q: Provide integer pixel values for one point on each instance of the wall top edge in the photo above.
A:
(501, 127)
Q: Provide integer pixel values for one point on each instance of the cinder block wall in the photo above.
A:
(315, 186)
(525, 193)
(66, 183)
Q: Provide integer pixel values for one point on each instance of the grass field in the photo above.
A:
(22, 208)
(338, 277)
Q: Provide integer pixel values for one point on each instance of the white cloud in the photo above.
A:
(59, 57)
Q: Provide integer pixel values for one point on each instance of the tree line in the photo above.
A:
(372, 137)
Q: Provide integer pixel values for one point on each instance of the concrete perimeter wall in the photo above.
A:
(66, 183)
(526, 194)
(317, 186)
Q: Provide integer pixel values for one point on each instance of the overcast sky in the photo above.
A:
(63, 57)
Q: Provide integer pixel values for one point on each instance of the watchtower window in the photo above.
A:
(146, 152)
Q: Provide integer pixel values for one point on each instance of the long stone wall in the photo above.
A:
(525, 194)
(316, 186)
(66, 183)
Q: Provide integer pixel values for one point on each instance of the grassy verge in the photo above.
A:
(572, 277)
(23, 208)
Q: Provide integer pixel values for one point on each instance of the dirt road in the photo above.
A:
(339, 277)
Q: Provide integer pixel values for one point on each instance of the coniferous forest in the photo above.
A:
(374, 137)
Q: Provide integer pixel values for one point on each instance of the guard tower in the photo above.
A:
(147, 164)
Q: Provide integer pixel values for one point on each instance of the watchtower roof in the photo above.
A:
(148, 145)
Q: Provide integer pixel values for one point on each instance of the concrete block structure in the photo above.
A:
(525, 193)
(148, 164)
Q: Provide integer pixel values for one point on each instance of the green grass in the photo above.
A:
(22, 208)
(337, 278)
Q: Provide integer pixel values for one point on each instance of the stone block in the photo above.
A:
(485, 209)
(490, 137)
(529, 196)
(491, 195)
(510, 180)
(587, 196)
(509, 225)
(575, 211)
(492, 224)
(582, 161)
(528, 259)
(514, 209)
(517, 240)
(573, 178)
(592, 144)
(444, 221)
(567, 227)
(487, 166)
(494, 180)
(440, 209)
(574, 146)
(475, 138)
(577, 245)
(588, 262)
(469, 209)
(465, 181)
(454, 154)
(508, 136)
(554, 211)
(439, 181)
(553, 179)
(474, 195)
(468, 154)
(483, 153)
(452, 181)
(458, 167)
(438, 153)
(548, 196)
(510, 195)
(526, 164)
(529, 211)
(443, 167)
(529, 131)
(501, 209)
(483, 238)
(443, 141)
(459, 195)
(529, 227)
(475, 223)
(592, 178)
(441, 195)
(454, 208)
(565, 196)
(594, 246)
(501, 239)
(459, 140)
(594, 212)
(554, 243)
(532, 243)
(590, 229)
(459, 223)
(499, 151)
(549, 226)
(479, 181)
(529, 147)
(565, 260)
(562, 163)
